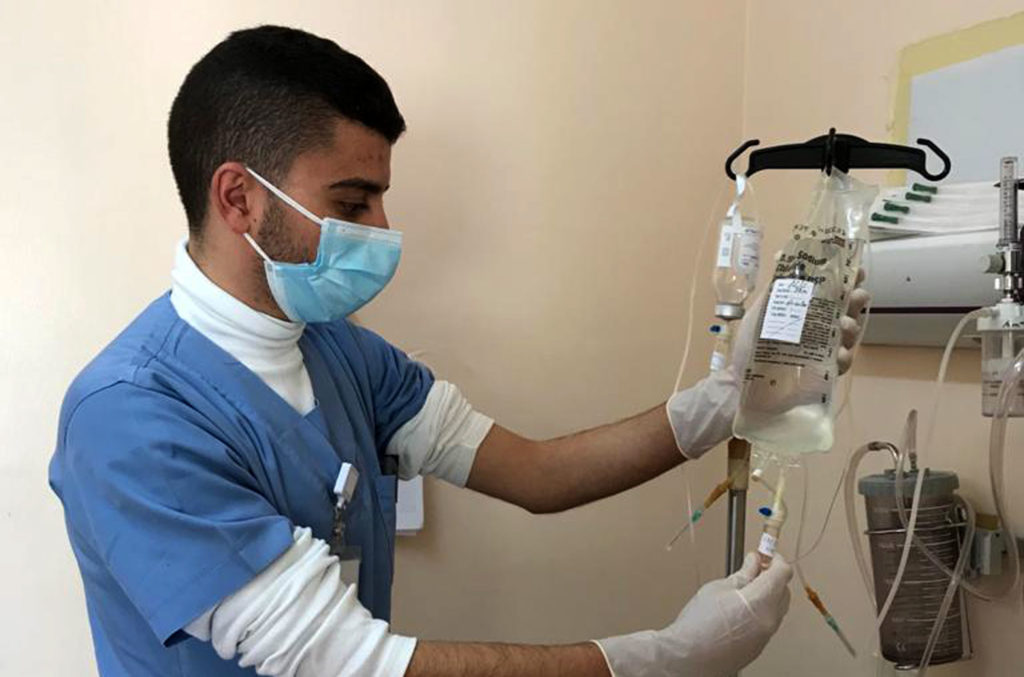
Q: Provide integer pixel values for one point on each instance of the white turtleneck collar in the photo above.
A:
(269, 347)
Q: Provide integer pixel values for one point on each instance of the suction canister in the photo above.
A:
(905, 630)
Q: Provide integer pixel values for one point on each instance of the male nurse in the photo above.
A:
(228, 464)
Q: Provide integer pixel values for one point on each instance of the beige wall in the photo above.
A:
(561, 162)
(811, 65)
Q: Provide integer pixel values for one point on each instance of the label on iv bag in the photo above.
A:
(746, 241)
(725, 242)
(787, 309)
(749, 260)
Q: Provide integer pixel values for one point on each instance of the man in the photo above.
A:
(228, 464)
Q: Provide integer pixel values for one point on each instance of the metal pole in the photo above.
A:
(737, 526)
(739, 470)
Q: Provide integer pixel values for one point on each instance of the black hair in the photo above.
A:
(262, 96)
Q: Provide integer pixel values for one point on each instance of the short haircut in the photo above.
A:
(263, 96)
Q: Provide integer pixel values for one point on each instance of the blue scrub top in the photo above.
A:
(182, 475)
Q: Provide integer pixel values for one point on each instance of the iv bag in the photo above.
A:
(787, 407)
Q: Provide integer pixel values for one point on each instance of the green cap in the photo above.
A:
(917, 197)
(884, 218)
(923, 188)
(893, 207)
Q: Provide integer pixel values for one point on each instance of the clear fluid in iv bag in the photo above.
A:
(787, 404)
(787, 407)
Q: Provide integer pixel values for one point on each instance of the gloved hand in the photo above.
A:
(723, 628)
(701, 416)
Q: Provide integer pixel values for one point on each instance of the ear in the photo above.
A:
(236, 197)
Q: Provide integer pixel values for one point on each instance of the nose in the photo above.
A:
(380, 217)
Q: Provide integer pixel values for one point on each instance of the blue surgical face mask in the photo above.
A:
(353, 264)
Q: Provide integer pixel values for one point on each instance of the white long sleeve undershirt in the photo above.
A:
(298, 618)
(269, 347)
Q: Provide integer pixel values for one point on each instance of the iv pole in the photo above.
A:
(739, 470)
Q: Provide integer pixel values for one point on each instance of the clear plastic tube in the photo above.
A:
(806, 487)
(954, 584)
(863, 332)
(693, 531)
(801, 554)
(690, 312)
(956, 574)
(943, 367)
(851, 519)
(694, 283)
(847, 407)
(997, 439)
(974, 590)
(996, 467)
(907, 541)
(795, 562)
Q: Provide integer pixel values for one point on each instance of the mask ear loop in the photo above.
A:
(284, 197)
(259, 249)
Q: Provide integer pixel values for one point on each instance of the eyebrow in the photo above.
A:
(361, 184)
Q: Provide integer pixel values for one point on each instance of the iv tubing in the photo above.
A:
(956, 575)
(851, 518)
(711, 221)
(801, 555)
(851, 523)
(693, 293)
(695, 515)
(997, 441)
(954, 583)
(996, 457)
(907, 541)
(812, 594)
(943, 366)
(847, 390)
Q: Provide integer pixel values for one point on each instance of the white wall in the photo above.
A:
(561, 161)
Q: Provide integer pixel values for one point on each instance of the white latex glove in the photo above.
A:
(701, 416)
(723, 628)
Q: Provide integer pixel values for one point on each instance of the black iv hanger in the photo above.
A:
(842, 151)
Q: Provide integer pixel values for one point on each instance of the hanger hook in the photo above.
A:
(830, 152)
(735, 154)
(947, 164)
